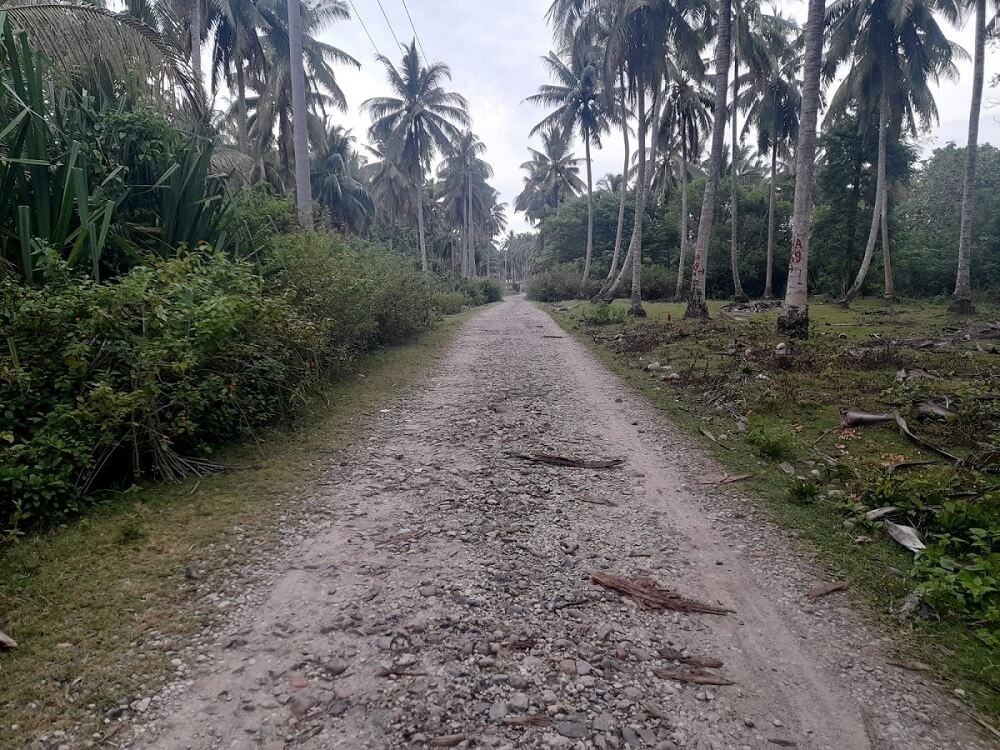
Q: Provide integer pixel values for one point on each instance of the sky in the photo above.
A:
(493, 48)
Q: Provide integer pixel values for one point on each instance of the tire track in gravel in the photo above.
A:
(441, 588)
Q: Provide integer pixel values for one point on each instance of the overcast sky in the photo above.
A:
(493, 49)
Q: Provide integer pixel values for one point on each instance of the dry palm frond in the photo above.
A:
(85, 41)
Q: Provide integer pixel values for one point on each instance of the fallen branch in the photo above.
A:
(695, 676)
(905, 431)
(572, 463)
(529, 720)
(930, 410)
(825, 589)
(448, 740)
(911, 465)
(671, 654)
(597, 501)
(6, 642)
(648, 595)
(861, 418)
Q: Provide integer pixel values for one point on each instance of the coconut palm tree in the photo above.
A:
(642, 36)
(579, 104)
(236, 52)
(553, 175)
(389, 185)
(420, 119)
(463, 174)
(772, 104)
(687, 114)
(963, 285)
(749, 48)
(794, 319)
(697, 306)
(895, 50)
(337, 180)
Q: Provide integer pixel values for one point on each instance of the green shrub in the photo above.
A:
(658, 283)
(773, 441)
(491, 290)
(560, 283)
(448, 303)
(602, 314)
(103, 383)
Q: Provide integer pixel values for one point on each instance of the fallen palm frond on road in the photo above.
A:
(649, 595)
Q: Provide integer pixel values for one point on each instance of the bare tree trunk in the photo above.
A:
(642, 190)
(769, 271)
(963, 281)
(880, 186)
(420, 223)
(734, 235)
(697, 306)
(684, 220)
(794, 321)
(195, 31)
(300, 137)
(590, 215)
(621, 203)
(242, 138)
(890, 288)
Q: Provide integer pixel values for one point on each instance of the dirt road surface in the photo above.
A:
(439, 594)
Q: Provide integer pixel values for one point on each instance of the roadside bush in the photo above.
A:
(103, 383)
(773, 441)
(658, 283)
(560, 283)
(448, 303)
(491, 290)
(602, 314)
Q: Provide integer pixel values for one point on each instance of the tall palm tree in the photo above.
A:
(794, 319)
(390, 186)
(749, 48)
(237, 51)
(687, 114)
(963, 284)
(579, 104)
(420, 119)
(553, 175)
(467, 195)
(337, 180)
(271, 108)
(639, 41)
(772, 104)
(896, 49)
(697, 306)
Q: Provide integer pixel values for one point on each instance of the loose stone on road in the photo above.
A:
(440, 593)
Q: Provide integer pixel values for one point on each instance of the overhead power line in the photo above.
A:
(388, 23)
(415, 34)
(362, 22)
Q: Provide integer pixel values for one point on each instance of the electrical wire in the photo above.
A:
(362, 22)
(388, 23)
(415, 34)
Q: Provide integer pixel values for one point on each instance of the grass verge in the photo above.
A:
(761, 406)
(95, 603)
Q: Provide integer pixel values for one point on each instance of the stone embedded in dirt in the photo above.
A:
(575, 730)
(140, 706)
(498, 711)
(298, 682)
(336, 666)
(568, 666)
(383, 718)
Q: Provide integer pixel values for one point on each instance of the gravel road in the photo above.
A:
(438, 592)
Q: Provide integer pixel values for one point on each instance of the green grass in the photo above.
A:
(793, 415)
(82, 599)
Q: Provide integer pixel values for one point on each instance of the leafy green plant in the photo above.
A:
(448, 303)
(774, 441)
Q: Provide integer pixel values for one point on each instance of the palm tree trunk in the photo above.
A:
(590, 214)
(890, 288)
(303, 189)
(794, 321)
(242, 138)
(769, 271)
(621, 204)
(734, 233)
(420, 223)
(697, 306)
(963, 281)
(866, 261)
(684, 220)
(642, 188)
(628, 265)
(195, 31)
